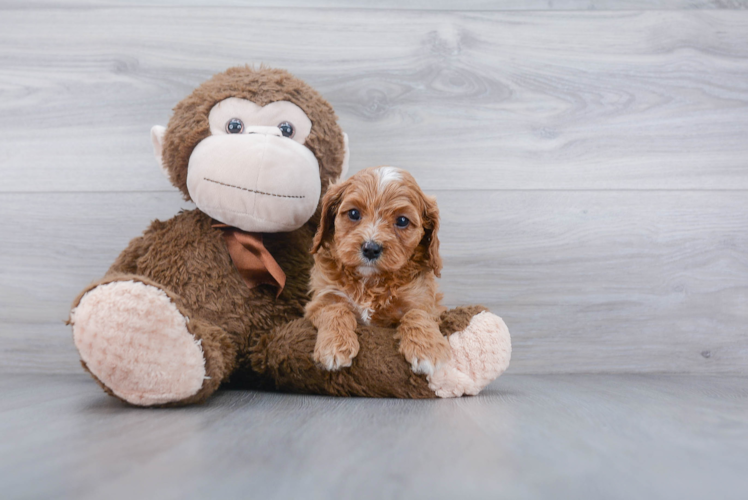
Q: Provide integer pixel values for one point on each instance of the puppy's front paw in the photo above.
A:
(425, 353)
(336, 350)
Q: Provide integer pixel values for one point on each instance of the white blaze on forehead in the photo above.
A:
(387, 174)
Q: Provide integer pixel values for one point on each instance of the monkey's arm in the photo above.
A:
(480, 348)
(127, 261)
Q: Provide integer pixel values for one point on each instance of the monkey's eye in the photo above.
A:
(354, 214)
(287, 129)
(234, 126)
(402, 222)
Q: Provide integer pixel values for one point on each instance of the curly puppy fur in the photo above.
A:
(380, 209)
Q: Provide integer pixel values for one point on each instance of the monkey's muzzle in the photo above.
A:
(256, 182)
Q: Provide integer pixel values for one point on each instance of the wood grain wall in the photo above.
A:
(591, 165)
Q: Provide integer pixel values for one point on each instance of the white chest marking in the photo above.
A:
(365, 315)
(367, 271)
(363, 311)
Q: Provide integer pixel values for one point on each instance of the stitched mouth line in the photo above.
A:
(253, 190)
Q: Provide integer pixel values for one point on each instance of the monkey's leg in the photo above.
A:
(481, 348)
(481, 351)
(142, 347)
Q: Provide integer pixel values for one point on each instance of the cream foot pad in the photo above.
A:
(135, 341)
(480, 353)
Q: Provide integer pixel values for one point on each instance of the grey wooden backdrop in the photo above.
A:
(590, 157)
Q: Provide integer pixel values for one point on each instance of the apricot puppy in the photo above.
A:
(376, 255)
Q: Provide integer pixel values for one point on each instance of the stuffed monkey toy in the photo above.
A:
(217, 294)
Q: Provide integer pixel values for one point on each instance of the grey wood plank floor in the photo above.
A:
(525, 437)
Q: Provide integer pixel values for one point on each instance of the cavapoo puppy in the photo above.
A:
(376, 255)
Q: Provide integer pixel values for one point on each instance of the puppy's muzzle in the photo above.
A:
(371, 250)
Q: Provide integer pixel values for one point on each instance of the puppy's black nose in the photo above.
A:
(371, 250)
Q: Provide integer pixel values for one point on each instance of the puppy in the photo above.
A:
(376, 255)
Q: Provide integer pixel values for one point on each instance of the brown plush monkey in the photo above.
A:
(218, 293)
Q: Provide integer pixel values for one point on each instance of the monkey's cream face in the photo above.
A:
(253, 171)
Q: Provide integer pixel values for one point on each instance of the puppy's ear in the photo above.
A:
(430, 239)
(330, 203)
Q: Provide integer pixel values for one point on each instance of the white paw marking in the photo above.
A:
(334, 362)
(422, 366)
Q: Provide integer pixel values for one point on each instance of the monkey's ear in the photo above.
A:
(330, 203)
(157, 139)
(346, 158)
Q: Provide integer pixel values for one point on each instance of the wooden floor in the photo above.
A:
(525, 437)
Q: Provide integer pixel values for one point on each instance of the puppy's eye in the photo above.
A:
(354, 214)
(287, 129)
(402, 221)
(234, 126)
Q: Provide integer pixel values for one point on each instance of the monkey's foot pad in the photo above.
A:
(480, 353)
(135, 341)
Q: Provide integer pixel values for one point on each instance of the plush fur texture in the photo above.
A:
(480, 353)
(379, 370)
(395, 288)
(189, 124)
(183, 277)
(158, 360)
